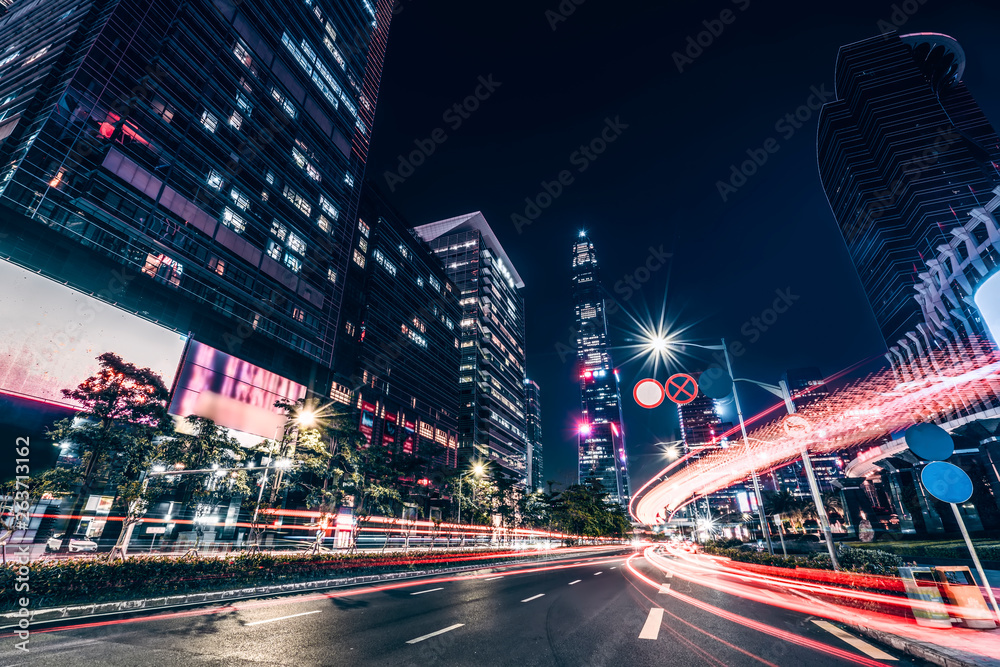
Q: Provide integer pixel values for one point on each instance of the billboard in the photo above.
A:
(232, 392)
(51, 336)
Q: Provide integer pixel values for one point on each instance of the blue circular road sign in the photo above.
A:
(946, 482)
(715, 383)
(929, 441)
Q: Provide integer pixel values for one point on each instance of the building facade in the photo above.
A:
(536, 453)
(492, 415)
(601, 432)
(197, 164)
(904, 151)
(399, 349)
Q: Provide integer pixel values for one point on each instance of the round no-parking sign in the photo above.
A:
(681, 388)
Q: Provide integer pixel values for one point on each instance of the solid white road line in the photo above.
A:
(651, 629)
(435, 634)
(575, 582)
(533, 597)
(664, 588)
(863, 646)
(429, 590)
(272, 620)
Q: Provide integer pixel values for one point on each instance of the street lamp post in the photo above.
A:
(477, 469)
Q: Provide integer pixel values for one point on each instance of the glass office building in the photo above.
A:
(399, 348)
(492, 421)
(904, 153)
(601, 432)
(203, 157)
(536, 453)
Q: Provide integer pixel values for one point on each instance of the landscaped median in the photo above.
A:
(61, 583)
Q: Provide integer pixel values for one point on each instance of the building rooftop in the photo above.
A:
(467, 223)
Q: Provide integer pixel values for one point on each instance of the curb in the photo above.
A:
(169, 602)
(931, 653)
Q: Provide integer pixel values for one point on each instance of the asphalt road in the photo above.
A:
(584, 611)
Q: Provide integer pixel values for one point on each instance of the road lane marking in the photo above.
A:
(575, 582)
(664, 588)
(533, 597)
(283, 618)
(492, 578)
(614, 568)
(863, 646)
(597, 573)
(429, 590)
(435, 634)
(651, 629)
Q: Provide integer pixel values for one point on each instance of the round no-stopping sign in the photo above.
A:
(648, 393)
(681, 388)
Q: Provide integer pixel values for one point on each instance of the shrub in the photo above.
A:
(77, 581)
(757, 558)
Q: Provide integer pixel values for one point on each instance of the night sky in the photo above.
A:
(656, 183)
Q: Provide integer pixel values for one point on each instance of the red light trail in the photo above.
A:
(878, 405)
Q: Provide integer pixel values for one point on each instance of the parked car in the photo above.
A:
(76, 543)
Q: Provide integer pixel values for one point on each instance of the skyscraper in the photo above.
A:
(602, 453)
(201, 156)
(904, 152)
(492, 422)
(398, 349)
(536, 453)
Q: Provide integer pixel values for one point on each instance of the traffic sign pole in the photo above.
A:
(975, 558)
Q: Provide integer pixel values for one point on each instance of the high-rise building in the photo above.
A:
(536, 454)
(904, 152)
(492, 422)
(398, 349)
(602, 453)
(203, 157)
(807, 387)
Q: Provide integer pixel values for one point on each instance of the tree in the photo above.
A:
(207, 445)
(372, 481)
(123, 412)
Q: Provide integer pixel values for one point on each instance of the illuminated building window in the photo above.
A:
(217, 265)
(296, 244)
(384, 262)
(329, 208)
(435, 283)
(323, 223)
(9, 59)
(293, 263)
(279, 230)
(209, 121)
(349, 180)
(349, 328)
(239, 199)
(243, 55)
(233, 221)
(270, 178)
(285, 104)
(164, 269)
(244, 104)
(297, 200)
(274, 250)
(363, 227)
(306, 166)
(403, 251)
(214, 180)
(35, 56)
(331, 275)
(236, 121)
(420, 281)
(419, 325)
(359, 259)
(161, 109)
(363, 244)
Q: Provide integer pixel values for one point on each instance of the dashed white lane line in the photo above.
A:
(575, 582)
(863, 646)
(651, 629)
(435, 634)
(533, 597)
(597, 573)
(664, 588)
(283, 618)
(613, 567)
(492, 578)
(429, 590)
